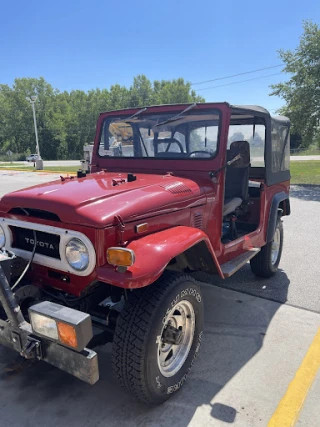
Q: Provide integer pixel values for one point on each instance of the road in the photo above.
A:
(252, 350)
(302, 158)
(47, 163)
(63, 163)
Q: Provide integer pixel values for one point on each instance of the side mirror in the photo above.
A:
(239, 154)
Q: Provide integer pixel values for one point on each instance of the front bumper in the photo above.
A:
(18, 335)
(83, 365)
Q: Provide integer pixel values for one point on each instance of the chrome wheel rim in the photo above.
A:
(171, 357)
(275, 248)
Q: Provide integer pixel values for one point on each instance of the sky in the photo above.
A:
(94, 44)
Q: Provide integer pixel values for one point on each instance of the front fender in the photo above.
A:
(153, 253)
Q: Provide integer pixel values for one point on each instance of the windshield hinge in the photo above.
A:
(119, 224)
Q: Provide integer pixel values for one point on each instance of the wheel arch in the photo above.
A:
(187, 246)
(280, 206)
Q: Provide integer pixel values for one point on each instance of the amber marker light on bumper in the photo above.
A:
(69, 327)
(120, 257)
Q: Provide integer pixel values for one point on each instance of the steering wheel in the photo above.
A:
(201, 152)
(173, 141)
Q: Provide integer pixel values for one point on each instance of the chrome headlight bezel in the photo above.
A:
(2, 237)
(77, 249)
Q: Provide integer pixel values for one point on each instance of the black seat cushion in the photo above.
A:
(237, 179)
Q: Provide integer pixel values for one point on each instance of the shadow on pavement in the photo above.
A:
(273, 289)
(306, 192)
(37, 394)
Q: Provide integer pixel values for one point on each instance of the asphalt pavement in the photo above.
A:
(48, 163)
(253, 354)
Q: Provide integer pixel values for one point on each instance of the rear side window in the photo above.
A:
(280, 153)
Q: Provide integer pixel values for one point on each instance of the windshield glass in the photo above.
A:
(193, 135)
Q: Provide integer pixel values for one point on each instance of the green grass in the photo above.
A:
(305, 172)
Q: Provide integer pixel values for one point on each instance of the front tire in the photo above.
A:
(266, 262)
(158, 337)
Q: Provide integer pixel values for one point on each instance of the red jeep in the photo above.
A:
(109, 256)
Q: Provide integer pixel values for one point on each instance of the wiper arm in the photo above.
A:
(134, 115)
(178, 116)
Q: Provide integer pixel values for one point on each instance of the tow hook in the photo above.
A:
(32, 349)
(172, 335)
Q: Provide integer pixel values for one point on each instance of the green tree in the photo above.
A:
(174, 91)
(67, 120)
(302, 91)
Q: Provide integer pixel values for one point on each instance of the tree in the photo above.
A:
(237, 136)
(302, 91)
(67, 120)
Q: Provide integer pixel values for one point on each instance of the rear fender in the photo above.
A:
(189, 246)
(280, 201)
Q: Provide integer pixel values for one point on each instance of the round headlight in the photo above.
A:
(77, 254)
(2, 237)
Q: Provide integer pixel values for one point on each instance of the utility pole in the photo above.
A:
(39, 161)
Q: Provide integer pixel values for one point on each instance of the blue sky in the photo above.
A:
(90, 44)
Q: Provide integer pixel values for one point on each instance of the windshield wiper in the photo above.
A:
(178, 116)
(134, 115)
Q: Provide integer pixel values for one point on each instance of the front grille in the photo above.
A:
(47, 244)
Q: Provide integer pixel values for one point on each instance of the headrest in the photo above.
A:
(242, 148)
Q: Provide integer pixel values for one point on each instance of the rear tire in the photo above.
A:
(144, 360)
(266, 262)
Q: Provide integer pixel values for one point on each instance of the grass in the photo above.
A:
(305, 172)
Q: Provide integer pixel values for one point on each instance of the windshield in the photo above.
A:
(193, 135)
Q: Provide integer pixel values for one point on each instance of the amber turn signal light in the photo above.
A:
(142, 228)
(64, 325)
(67, 334)
(120, 257)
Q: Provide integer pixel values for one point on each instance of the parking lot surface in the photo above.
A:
(253, 351)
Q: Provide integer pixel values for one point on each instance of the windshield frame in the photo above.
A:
(150, 111)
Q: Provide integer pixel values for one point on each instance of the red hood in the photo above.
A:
(95, 200)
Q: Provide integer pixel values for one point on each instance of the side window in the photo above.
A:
(255, 135)
(280, 153)
(204, 139)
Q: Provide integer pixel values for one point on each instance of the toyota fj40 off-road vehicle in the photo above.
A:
(109, 256)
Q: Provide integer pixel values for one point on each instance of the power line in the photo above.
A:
(241, 81)
(236, 75)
